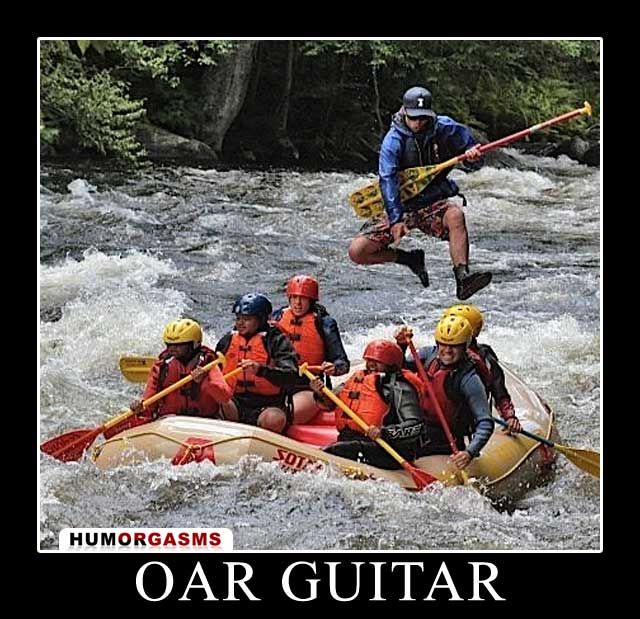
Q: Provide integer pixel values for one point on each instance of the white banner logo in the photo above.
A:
(146, 540)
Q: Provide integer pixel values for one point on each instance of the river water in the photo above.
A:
(122, 256)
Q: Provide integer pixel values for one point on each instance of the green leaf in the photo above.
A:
(84, 46)
(100, 46)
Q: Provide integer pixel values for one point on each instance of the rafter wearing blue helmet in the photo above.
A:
(269, 365)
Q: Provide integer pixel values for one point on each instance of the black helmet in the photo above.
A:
(253, 304)
(417, 102)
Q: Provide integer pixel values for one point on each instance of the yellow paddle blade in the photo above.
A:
(367, 202)
(588, 461)
(136, 369)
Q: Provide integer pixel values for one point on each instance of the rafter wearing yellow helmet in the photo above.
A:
(184, 354)
(487, 365)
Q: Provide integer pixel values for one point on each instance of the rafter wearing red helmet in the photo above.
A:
(386, 398)
(315, 337)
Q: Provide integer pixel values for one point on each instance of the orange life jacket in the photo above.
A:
(304, 336)
(359, 393)
(254, 349)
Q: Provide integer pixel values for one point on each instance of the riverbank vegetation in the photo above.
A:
(306, 103)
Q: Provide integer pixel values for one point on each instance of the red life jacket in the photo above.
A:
(254, 349)
(304, 336)
(359, 393)
(437, 375)
(481, 366)
(191, 398)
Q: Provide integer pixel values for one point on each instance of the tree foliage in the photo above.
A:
(94, 93)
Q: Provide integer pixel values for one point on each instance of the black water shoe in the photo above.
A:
(467, 284)
(414, 259)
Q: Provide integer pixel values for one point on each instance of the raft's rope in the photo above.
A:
(354, 472)
(189, 447)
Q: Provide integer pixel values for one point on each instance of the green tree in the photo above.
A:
(86, 107)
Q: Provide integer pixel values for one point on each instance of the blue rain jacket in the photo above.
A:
(401, 149)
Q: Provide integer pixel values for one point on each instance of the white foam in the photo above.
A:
(97, 272)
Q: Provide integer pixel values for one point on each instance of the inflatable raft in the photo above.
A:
(507, 467)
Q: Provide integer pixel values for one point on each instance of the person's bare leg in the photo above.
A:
(272, 418)
(454, 222)
(230, 411)
(304, 407)
(467, 284)
(365, 251)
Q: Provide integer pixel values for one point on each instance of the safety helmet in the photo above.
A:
(470, 312)
(453, 330)
(182, 331)
(417, 101)
(303, 286)
(253, 304)
(385, 352)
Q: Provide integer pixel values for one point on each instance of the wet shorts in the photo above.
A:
(428, 220)
(249, 414)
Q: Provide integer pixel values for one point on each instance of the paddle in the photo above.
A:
(421, 478)
(585, 459)
(441, 418)
(71, 445)
(367, 201)
(136, 369)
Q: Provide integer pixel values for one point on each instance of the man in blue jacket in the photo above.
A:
(419, 137)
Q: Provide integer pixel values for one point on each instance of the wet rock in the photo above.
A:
(46, 150)
(164, 146)
(575, 148)
(537, 148)
(500, 159)
(287, 149)
(592, 156)
(495, 158)
(50, 314)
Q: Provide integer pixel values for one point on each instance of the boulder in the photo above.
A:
(575, 148)
(164, 146)
(495, 158)
(499, 159)
(592, 156)
(46, 150)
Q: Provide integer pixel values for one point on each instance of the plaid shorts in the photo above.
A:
(428, 220)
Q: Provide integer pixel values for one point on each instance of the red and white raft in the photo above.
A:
(506, 469)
